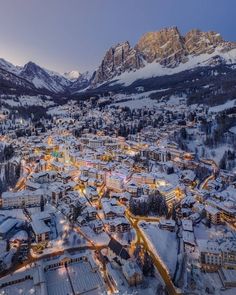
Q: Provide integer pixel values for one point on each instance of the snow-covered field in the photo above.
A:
(25, 100)
(204, 151)
(138, 103)
(142, 100)
(229, 104)
(58, 111)
(161, 240)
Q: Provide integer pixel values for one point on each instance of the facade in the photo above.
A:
(40, 226)
(20, 199)
(213, 215)
(217, 254)
(118, 225)
(132, 273)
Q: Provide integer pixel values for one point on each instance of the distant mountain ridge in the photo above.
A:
(156, 54)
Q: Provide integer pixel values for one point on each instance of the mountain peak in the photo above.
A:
(72, 75)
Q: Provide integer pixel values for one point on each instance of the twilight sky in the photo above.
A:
(65, 35)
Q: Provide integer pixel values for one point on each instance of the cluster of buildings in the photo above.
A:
(84, 170)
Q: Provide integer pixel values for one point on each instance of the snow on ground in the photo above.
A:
(214, 280)
(134, 96)
(142, 100)
(148, 287)
(176, 100)
(233, 129)
(217, 153)
(25, 100)
(58, 111)
(99, 239)
(203, 232)
(155, 69)
(138, 103)
(64, 236)
(67, 237)
(229, 104)
(161, 240)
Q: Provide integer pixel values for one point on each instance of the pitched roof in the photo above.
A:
(118, 249)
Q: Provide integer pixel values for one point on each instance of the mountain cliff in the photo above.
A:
(167, 48)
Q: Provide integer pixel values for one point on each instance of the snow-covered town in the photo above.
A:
(100, 198)
(118, 147)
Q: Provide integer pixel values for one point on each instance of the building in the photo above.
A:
(25, 198)
(132, 273)
(115, 183)
(115, 249)
(60, 275)
(228, 277)
(213, 215)
(118, 225)
(97, 226)
(40, 226)
(111, 210)
(7, 226)
(187, 225)
(188, 239)
(215, 254)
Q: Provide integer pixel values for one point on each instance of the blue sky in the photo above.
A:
(64, 35)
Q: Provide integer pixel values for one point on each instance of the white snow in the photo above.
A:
(25, 100)
(155, 69)
(233, 129)
(72, 75)
(229, 104)
(160, 240)
(139, 103)
(142, 100)
(9, 66)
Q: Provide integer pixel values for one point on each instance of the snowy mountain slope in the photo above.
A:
(9, 67)
(155, 69)
(13, 82)
(44, 79)
(82, 83)
(163, 52)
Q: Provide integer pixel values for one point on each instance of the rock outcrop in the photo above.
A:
(117, 60)
(167, 47)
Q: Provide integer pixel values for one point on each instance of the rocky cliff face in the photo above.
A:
(167, 47)
(197, 42)
(117, 60)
